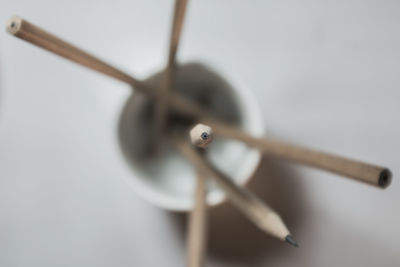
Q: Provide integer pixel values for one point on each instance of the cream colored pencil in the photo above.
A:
(247, 203)
(161, 107)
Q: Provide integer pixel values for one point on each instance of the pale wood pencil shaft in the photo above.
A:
(161, 107)
(246, 202)
(198, 218)
(368, 173)
(177, 25)
(197, 235)
(35, 35)
(364, 172)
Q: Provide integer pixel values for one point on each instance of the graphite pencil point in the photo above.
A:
(291, 241)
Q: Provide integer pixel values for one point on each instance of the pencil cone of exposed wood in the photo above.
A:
(246, 202)
(167, 99)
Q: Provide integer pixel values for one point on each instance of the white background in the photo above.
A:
(326, 73)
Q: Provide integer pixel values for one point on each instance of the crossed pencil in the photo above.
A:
(167, 99)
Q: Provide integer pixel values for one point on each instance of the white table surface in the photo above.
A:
(326, 72)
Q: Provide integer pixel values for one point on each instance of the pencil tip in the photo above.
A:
(291, 241)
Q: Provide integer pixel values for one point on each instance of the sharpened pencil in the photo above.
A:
(246, 202)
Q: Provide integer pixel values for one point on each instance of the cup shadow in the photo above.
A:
(232, 238)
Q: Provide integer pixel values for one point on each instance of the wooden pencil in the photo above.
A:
(177, 25)
(246, 202)
(41, 38)
(201, 135)
(360, 171)
(168, 77)
(197, 235)
(35, 35)
(368, 173)
(371, 174)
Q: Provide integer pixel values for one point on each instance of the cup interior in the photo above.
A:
(165, 178)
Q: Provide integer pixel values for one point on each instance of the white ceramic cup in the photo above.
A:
(168, 181)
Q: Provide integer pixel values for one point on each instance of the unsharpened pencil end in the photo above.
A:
(385, 178)
(289, 239)
(13, 24)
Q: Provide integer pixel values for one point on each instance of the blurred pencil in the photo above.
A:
(161, 107)
(364, 172)
(246, 202)
(39, 37)
(371, 174)
(35, 35)
(197, 236)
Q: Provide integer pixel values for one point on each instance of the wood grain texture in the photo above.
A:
(246, 202)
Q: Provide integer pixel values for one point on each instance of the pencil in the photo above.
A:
(360, 171)
(246, 202)
(201, 135)
(368, 173)
(161, 106)
(35, 35)
(197, 236)
(25, 30)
